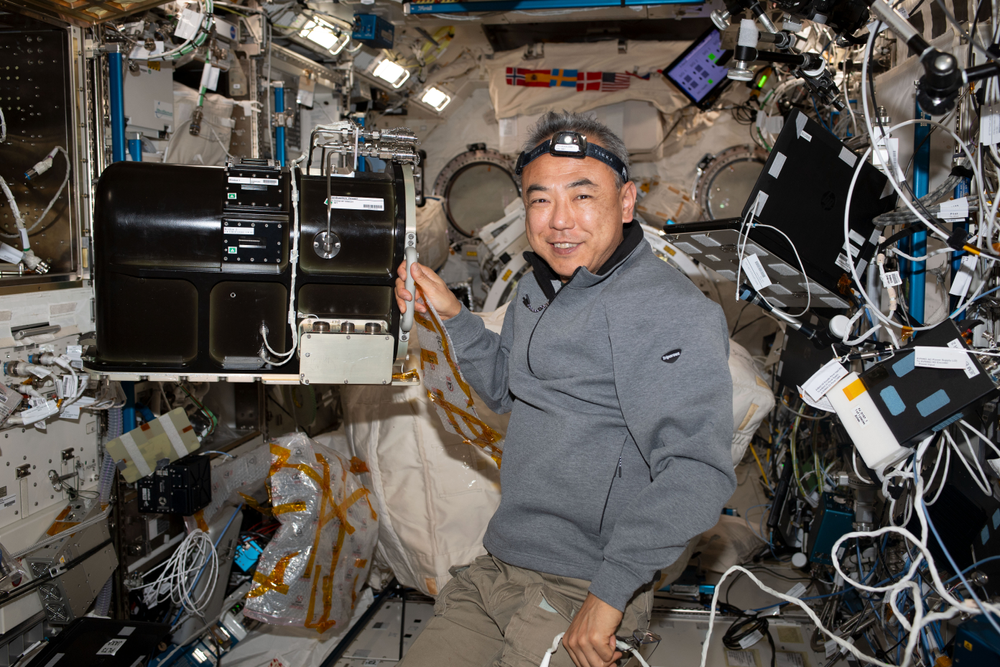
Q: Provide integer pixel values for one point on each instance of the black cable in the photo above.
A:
(280, 406)
(770, 640)
(738, 316)
(745, 628)
(781, 576)
(748, 324)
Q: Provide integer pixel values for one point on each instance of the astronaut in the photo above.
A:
(614, 368)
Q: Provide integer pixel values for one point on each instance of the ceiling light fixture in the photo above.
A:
(389, 71)
(435, 98)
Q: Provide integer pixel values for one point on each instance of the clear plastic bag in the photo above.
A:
(448, 390)
(312, 572)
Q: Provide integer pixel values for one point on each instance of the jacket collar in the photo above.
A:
(545, 276)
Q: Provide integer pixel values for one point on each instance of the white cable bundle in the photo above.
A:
(911, 582)
(194, 559)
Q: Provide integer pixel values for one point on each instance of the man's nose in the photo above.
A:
(562, 217)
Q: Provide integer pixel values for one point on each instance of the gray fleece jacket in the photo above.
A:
(618, 447)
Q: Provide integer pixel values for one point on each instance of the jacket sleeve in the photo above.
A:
(675, 392)
(482, 356)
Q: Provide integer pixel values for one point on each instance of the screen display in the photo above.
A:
(697, 72)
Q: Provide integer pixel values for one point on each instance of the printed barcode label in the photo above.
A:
(740, 659)
(356, 203)
(755, 272)
(8, 502)
(264, 181)
(891, 279)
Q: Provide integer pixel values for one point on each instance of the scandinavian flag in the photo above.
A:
(515, 76)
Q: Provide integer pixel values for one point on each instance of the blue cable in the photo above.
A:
(936, 627)
(958, 310)
(819, 116)
(815, 597)
(977, 563)
(746, 519)
(961, 576)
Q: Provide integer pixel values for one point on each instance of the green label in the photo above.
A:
(232, 195)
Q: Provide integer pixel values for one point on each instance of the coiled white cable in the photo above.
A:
(180, 575)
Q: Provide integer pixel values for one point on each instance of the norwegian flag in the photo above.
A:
(611, 81)
(515, 76)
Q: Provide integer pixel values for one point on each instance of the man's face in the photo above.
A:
(574, 211)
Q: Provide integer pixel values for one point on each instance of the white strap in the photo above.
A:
(175, 438)
(548, 654)
(137, 457)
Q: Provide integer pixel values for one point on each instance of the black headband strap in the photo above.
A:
(568, 149)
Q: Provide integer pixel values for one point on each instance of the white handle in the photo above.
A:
(406, 322)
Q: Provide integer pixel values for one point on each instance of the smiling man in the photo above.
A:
(614, 368)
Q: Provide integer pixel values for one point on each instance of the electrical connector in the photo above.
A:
(195, 127)
(33, 263)
(42, 165)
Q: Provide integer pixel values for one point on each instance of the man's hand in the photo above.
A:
(590, 640)
(432, 290)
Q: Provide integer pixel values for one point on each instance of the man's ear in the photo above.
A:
(628, 196)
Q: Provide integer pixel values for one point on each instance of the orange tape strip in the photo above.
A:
(483, 435)
(273, 581)
(297, 506)
(408, 376)
(358, 466)
(431, 325)
(326, 497)
(283, 456)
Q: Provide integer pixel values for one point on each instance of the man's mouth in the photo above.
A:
(565, 246)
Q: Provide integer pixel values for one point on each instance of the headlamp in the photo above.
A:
(571, 144)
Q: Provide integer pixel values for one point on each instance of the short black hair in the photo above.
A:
(596, 131)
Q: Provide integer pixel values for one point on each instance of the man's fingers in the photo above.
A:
(591, 652)
(433, 291)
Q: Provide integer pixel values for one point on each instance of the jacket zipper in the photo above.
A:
(616, 473)
(538, 321)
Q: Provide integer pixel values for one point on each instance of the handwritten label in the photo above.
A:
(111, 647)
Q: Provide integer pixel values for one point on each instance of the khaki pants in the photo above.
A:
(498, 615)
